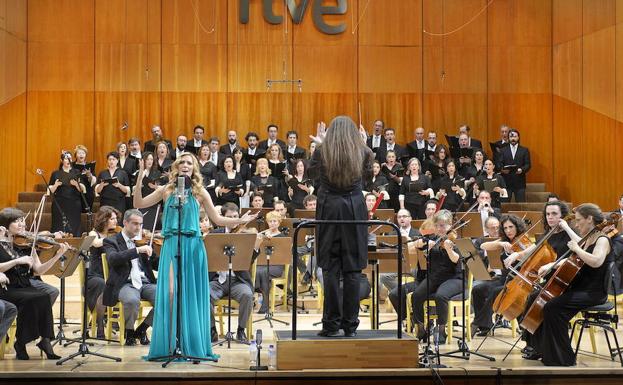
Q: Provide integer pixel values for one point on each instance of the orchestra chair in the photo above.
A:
(220, 308)
(600, 316)
(91, 314)
(8, 340)
(283, 280)
(115, 313)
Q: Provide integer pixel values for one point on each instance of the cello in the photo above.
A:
(511, 301)
(564, 275)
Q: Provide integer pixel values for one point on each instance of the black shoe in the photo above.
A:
(527, 349)
(20, 352)
(241, 336)
(532, 355)
(46, 347)
(129, 338)
(100, 332)
(350, 334)
(306, 278)
(262, 311)
(143, 339)
(328, 333)
(440, 331)
(482, 331)
(214, 335)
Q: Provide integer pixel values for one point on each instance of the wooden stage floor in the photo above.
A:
(233, 365)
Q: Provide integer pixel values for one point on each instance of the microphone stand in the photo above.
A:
(176, 354)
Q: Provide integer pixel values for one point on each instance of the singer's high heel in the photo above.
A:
(46, 347)
(20, 351)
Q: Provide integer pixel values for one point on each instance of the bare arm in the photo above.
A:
(216, 217)
(597, 258)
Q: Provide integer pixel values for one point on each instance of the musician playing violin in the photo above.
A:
(444, 273)
(551, 340)
(516, 246)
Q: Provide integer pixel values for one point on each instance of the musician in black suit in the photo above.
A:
(293, 151)
(253, 152)
(620, 208)
(156, 133)
(272, 139)
(241, 284)
(216, 157)
(180, 147)
(471, 142)
(390, 145)
(130, 276)
(197, 141)
(232, 143)
(515, 177)
(498, 145)
(417, 148)
(377, 139)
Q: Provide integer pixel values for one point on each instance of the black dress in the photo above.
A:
(393, 187)
(298, 194)
(496, 200)
(208, 173)
(266, 187)
(95, 279)
(414, 201)
(235, 183)
(379, 184)
(552, 339)
(110, 195)
(149, 213)
(342, 249)
(90, 190)
(281, 189)
(70, 201)
(452, 200)
(34, 309)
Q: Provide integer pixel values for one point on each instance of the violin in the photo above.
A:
(27, 239)
(114, 231)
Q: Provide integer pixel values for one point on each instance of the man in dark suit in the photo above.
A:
(498, 145)
(390, 145)
(376, 140)
(253, 152)
(619, 210)
(130, 276)
(519, 157)
(232, 143)
(216, 156)
(241, 284)
(156, 133)
(293, 151)
(417, 148)
(197, 140)
(471, 142)
(180, 147)
(272, 139)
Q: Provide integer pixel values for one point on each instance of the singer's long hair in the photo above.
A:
(343, 152)
(196, 178)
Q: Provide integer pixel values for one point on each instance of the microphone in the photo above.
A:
(180, 192)
(258, 337)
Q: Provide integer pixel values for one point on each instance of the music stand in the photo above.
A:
(238, 252)
(277, 251)
(65, 267)
(387, 215)
(473, 227)
(531, 218)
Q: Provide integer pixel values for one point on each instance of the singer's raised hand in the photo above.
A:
(248, 217)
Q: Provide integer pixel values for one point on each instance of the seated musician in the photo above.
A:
(130, 277)
(262, 280)
(309, 203)
(105, 222)
(551, 340)
(553, 214)
(514, 249)
(257, 202)
(241, 285)
(34, 308)
(444, 274)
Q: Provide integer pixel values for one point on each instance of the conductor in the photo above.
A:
(342, 162)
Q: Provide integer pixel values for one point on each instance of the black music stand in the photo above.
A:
(469, 258)
(238, 252)
(274, 250)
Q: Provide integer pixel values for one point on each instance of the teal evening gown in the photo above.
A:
(195, 322)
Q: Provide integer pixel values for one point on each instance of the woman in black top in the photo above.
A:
(342, 162)
(208, 170)
(105, 222)
(66, 187)
(279, 170)
(499, 192)
(242, 167)
(378, 184)
(113, 193)
(415, 190)
(394, 173)
(34, 318)
(229, 184)
(436, 167)
(263, 182)
(299, 186)
(472, 172)
(551, 340)
(151, 181)
(88, 177)
(163, 161)
(451, 188)
(444, 275)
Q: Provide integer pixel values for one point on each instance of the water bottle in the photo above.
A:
(260, 300)
(252, 353)
(272, 357)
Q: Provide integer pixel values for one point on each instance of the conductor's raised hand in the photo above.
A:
(321, 133)
(363, 134)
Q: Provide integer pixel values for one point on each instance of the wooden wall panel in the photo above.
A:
(569, 168)
(67, 21)
(15, 18)
(13, 137)
(254, 111)
(402, 111)
(566, 20)
(377, 26)
(195, 22)
(599, 71)
(601, 186)
(597, 15)
(619, 66)
(567, 70)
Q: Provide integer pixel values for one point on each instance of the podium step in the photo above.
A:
(369, 349)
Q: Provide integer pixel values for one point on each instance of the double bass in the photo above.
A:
(511, 301)
(564, 275)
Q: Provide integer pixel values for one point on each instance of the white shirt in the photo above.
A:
(251, 151)
(291, 149)
(484, 214)
(196, 143)
(513, 150)
(376, 141)
(270, 142)
(420, 144)
(405, 231)
(390, 147)
(431, 148)
(136, 274)
(136, 155)
(214, 158)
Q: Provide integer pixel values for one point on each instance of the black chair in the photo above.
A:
(600, 316)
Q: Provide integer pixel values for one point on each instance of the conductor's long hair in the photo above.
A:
(343, 152)
(196, 178)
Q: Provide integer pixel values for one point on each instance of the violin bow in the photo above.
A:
(153, 229)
